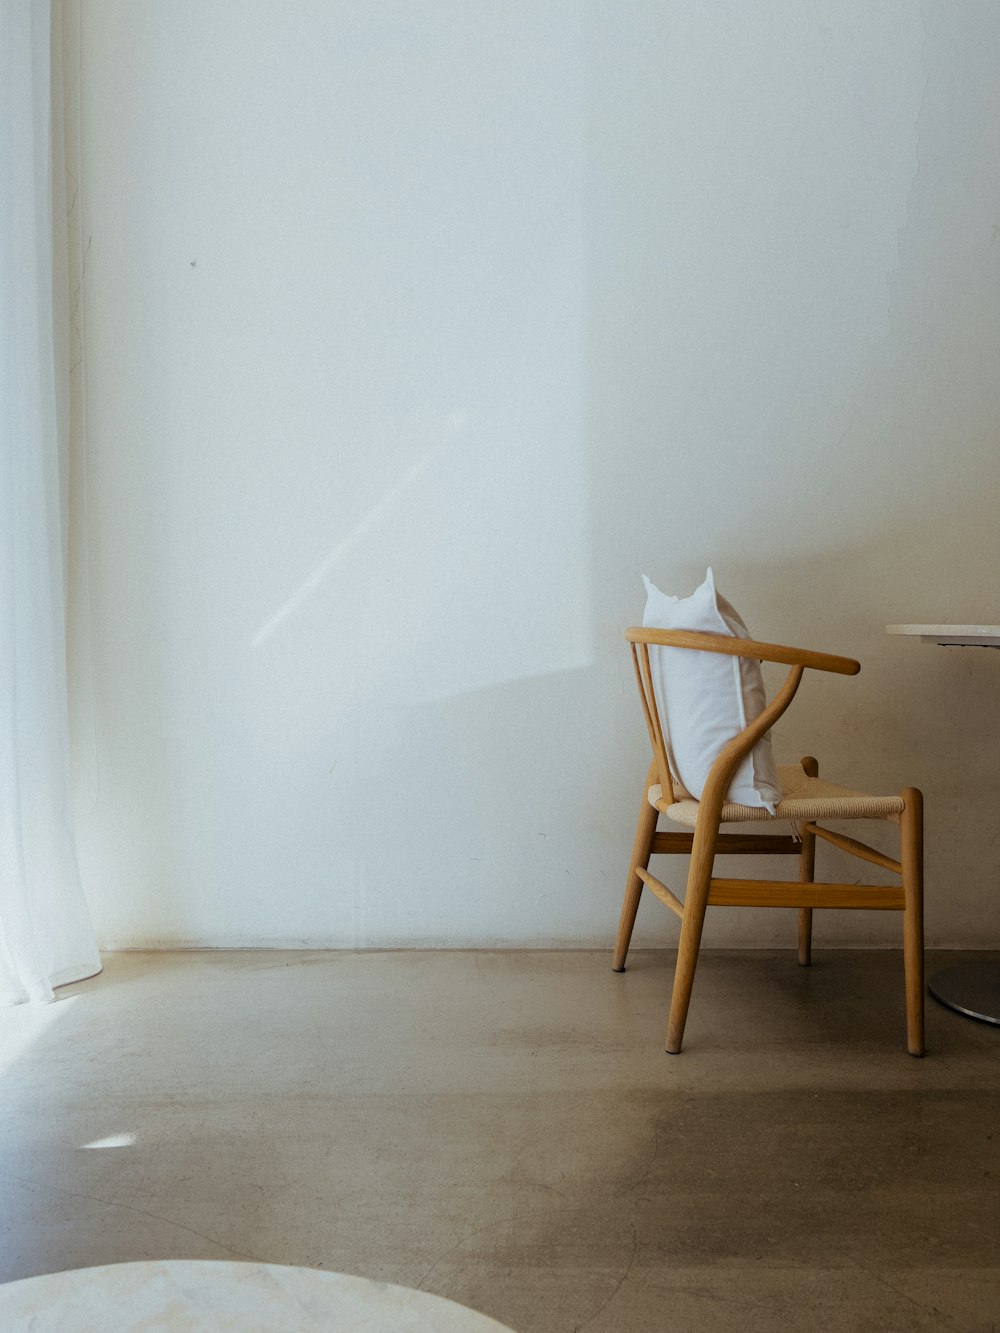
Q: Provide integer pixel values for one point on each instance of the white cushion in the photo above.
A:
(705, 699)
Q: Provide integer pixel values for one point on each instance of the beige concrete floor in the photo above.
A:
(504, 1129)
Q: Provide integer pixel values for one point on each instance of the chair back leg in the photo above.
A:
(641, 850)
(911, 831)
(805, 927)
(807, 873)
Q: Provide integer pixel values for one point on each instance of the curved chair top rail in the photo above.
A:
(702, 641)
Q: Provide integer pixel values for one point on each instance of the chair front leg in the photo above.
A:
(911, 839)
(695, 902)
(641, 849)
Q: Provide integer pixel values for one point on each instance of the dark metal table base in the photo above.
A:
(971, 988)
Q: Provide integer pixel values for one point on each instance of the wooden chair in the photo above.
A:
(805, 799)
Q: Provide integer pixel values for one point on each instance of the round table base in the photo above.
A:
(970, 988)
(215, 1295)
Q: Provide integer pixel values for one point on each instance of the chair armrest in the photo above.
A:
(723, 643)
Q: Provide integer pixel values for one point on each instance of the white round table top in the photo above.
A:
(947, 634)
(188, 1295)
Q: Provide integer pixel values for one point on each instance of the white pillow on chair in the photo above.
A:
(705, 699)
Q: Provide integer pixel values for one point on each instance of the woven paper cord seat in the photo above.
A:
(802, 798)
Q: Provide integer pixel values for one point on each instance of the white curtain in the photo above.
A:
(46, 938)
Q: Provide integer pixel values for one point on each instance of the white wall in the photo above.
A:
(415, 330)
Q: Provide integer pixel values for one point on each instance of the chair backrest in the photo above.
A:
(734, 751)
